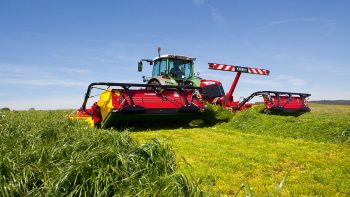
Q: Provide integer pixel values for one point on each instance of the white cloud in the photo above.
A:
(198, 2)
(216, 16)
(42, 82)
(296, 20)
(41, 76)
(329, 24)
(290, 80)
(79, 71)
(260, 82)
(43, 103)
(330, 94)
(214, 12)
(218, 76)
(277, 81)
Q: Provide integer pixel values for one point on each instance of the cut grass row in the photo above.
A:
(260, 151)
(323, 124)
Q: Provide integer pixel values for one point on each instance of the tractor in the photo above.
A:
(174, 93)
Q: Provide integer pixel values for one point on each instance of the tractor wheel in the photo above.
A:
(154, 82)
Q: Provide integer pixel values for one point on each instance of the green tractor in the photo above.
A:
(171, 70)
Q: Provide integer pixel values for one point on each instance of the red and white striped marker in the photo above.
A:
(233, 68)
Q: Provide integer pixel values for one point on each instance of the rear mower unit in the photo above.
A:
(175, 94)
(274, 101)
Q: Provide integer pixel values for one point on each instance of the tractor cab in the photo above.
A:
(172, 70)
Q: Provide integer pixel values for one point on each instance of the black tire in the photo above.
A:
(154, 82)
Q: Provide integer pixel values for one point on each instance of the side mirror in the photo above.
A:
(139, 66)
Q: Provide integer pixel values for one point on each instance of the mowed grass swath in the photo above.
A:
(42, 153)
(268, 154)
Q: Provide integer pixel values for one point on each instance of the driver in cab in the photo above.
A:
(176, 72)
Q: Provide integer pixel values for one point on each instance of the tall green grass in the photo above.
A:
(331, 125)
(44, 154)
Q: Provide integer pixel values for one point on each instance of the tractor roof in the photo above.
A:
(181, 57)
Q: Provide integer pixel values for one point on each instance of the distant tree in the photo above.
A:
(32, 109)
(5, 109)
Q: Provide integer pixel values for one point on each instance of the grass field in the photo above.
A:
(42, 153)
(268, 154)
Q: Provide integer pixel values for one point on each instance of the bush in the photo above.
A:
(5, 109)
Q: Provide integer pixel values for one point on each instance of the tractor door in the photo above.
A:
(159, 68)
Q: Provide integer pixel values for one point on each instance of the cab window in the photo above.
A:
(159, 67)
(180, 68)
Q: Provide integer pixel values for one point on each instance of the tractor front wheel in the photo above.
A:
(154, 82)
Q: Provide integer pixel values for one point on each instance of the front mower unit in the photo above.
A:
(145, 105)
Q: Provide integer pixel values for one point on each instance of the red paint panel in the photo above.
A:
(167, 99)
(285, 102)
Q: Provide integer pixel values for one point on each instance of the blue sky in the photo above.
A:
(51, 50)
